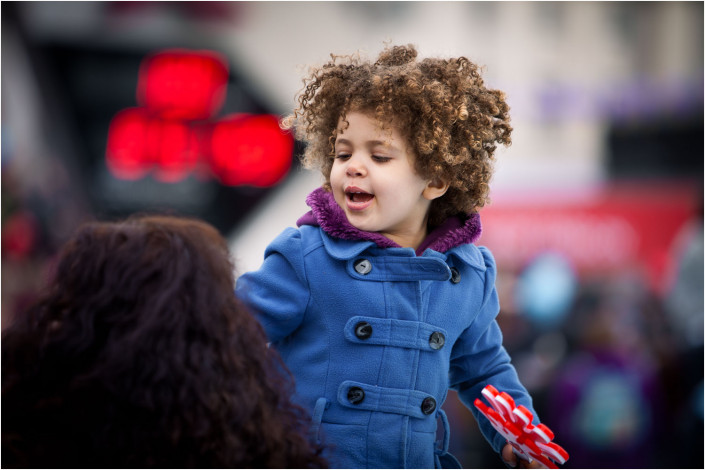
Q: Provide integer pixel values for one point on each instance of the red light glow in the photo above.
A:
(127, 141)
(176, 149)
(181, 84)
(250, 149)
(20, 234)
(179, 92)
(139, 142)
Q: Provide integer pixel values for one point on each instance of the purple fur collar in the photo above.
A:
(326, 213)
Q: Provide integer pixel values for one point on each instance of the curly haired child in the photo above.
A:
(379, 301)
(138, 355)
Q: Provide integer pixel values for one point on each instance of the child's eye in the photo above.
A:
(380, 159)
(342, 156)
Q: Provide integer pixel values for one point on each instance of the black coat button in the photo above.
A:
(437, 340)
(454, 275)
(356, 395)
(363, 330)
(363, 266)
(428, 405)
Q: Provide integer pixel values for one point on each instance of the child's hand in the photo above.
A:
(513, 460)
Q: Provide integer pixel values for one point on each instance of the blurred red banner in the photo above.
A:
(598, 230)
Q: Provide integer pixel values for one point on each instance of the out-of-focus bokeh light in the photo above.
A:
(176, 147)
(174, 132)
(127, 144)
(546, 289)
(139, 143)
(19, 235)
(613, 413)
(250, 149)
(183, 84)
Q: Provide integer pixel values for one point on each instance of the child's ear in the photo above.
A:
(435, 188)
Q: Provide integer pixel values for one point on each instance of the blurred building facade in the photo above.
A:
(607, 154)
(588, 82)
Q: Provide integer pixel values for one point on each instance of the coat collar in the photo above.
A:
(326, 213)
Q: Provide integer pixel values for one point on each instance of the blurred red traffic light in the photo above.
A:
(182, 84)
(126, 153)
(139, 142)
(173, 130)
(250, 149)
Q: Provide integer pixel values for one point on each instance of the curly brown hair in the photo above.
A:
(139, 354)
(452, 121)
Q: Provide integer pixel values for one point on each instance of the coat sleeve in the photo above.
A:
(478, 359)
(277, 293)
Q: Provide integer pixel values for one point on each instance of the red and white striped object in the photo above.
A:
(531, 442)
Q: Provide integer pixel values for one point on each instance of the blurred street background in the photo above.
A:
(596, 218)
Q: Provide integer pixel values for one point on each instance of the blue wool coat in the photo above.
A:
(376, 336)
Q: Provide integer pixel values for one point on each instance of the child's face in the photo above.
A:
(374, 181)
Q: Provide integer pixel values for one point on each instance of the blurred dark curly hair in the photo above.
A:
(450, 118)
(140, 355)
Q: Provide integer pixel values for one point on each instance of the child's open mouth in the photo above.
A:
(358, 199)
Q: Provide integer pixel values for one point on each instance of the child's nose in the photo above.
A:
(356, 167)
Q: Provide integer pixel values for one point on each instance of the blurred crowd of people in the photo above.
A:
(616, 370)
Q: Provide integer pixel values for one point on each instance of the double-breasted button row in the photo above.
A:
(367, 331)
(356, 395)
(363, 266)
